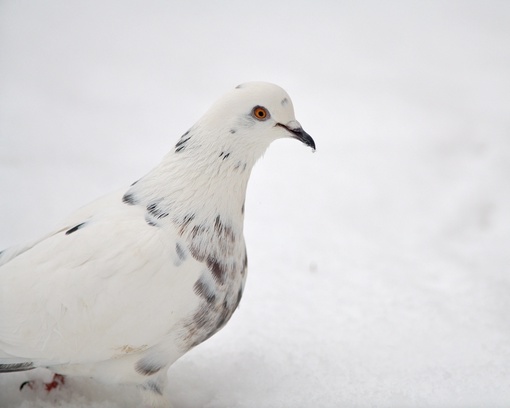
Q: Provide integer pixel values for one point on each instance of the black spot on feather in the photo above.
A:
(153, 386)
(208, 320)
(240, 166)
(223, 231)
(245, 264)
(147, 366)
(181, 144)
(205, 290)
(233, 131)
(129, 198)
(216, 268)
(150, 221)
(224, 155)
(181, 253)
(75, 228)
(223, 316)
(156, 212)
(239, 296)
(183, 225)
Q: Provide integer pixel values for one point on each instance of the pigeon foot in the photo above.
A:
(57, 381)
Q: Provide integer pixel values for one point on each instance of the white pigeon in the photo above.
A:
(134, 280)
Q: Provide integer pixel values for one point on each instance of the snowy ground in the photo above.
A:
(379, 266)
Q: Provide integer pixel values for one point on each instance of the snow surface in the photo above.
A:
(379, 266)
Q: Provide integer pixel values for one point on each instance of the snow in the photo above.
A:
(379, 266)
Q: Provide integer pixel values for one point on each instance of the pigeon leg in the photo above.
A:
(56, 382)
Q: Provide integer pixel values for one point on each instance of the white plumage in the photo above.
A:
(132, 281)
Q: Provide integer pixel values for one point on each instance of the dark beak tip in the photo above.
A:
(312, 145)
(306, 139)
(301, 135)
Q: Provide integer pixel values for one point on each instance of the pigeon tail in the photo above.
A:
(13, 367)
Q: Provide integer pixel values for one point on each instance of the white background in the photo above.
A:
(379, 266)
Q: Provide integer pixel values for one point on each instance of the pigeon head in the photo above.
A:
(253, 115)
(211, 163)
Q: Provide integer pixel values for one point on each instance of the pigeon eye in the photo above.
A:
(260, 113)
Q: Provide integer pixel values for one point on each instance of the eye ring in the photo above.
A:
(260, 113)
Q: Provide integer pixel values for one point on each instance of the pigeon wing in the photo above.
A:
(105, 283)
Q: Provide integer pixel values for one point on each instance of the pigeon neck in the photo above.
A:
(202, 189)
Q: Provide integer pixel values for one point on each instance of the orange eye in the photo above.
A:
(260, 113)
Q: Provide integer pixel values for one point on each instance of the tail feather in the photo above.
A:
(10, 368)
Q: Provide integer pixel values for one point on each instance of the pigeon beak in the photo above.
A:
(298, 133)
